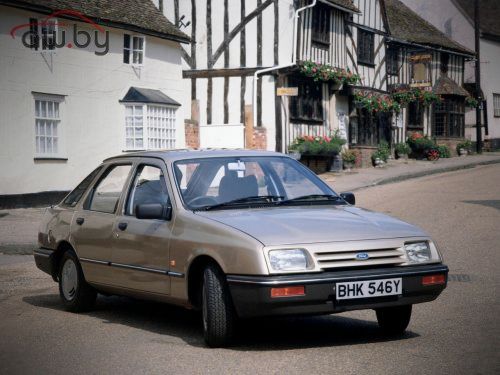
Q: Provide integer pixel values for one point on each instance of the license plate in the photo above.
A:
(369, 288)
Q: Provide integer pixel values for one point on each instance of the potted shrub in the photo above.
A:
(444, 151)
(349, 159)
(380, 156)
(464, 148)
(402, 150)
(420, 145)
(317, 152)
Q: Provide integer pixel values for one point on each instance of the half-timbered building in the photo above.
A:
(422, 56)
(244, 52)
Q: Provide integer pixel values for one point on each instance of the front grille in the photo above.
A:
(347, 258)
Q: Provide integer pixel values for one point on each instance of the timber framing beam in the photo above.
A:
(213, 73)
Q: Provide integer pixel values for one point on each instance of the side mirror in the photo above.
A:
(348, 197)
(153, 211)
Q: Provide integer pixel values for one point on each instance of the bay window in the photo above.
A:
(449, 117)
(149, 126)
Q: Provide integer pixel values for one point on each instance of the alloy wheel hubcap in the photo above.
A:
(69, 279)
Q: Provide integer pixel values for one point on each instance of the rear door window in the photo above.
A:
(106, 194)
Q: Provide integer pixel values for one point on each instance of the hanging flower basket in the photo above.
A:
(375, 102)
(328, 73)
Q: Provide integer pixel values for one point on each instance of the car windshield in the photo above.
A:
(229, 182)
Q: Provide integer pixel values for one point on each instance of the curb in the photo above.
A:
(410, 176)
(17, 249)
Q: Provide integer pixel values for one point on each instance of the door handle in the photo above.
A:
(122, 225)
(80, 220)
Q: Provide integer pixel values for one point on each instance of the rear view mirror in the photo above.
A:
(153, 211)
(348, 197)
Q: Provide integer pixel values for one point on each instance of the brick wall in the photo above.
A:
(192, 131)
(259, 139)
(255, 137)
(366, 155)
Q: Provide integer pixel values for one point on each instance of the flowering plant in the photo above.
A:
(349, 156)
(324, 72)
(376, 102)
(317, 145)
(405, 96)
(421, 145)
(471, 102)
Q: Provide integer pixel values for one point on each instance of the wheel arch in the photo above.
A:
(195, 277)
(61, 248)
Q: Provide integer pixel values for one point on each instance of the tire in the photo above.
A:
(394, 320)
(217, 308)
(75, 293)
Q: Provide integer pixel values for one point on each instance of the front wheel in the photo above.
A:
(75, 293)
(217, 308)
(394, 320)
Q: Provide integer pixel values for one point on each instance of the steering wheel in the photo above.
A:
(202, 201)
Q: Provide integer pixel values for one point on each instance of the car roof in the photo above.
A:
(183, 154)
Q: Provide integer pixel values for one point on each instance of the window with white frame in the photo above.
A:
(149, 127)
(48, 125)
(496, 105)
(133, 49)
(43, 35)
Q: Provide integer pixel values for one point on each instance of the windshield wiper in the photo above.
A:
(312, 198)
(253, 199)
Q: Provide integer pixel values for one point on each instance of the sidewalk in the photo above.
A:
(398, 170)
(18, 228)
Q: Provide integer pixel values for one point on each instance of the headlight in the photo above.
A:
(418, 252)
(289, 260)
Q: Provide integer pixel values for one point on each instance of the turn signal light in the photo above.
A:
(291, 291)
(433, 280)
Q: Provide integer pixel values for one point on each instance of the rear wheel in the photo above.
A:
(74, 291)
(217, 308)
(394, 320)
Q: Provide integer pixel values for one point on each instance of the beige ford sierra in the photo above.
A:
(235, 234)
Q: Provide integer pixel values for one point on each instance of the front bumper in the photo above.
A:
(252, 294)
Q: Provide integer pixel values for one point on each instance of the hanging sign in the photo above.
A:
(287, 91)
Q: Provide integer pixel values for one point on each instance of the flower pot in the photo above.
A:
(463, 152)
(348, 165)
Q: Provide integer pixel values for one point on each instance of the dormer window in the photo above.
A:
(321, 26)
(133, 49)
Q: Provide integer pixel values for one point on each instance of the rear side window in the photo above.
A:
(106, 194)
(74, 197)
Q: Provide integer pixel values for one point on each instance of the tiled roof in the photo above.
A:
(135, 15)
(406, 25)
(347, 4)
(446, 86)
(140, 95)
(489, 15)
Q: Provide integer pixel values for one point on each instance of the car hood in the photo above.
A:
(300, 225)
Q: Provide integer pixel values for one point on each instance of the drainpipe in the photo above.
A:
(276, 67)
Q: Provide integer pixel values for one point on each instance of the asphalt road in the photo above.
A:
(457, 334)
